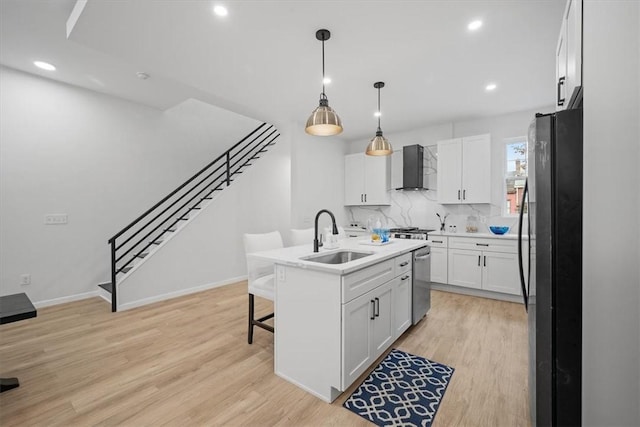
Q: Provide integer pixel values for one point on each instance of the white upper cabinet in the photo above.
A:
(464, 170)
(367, 179)
(569, 55)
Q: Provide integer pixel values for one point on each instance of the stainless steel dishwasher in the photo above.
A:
(421, 283)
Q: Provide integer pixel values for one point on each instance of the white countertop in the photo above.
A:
(292, 255)
(508, 236)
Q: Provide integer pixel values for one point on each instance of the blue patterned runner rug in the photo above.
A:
(402, 390)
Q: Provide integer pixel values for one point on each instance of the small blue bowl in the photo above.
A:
(499, 229)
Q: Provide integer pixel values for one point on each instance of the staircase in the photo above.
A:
(132, 245)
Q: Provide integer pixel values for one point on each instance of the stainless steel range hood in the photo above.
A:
(412, 168)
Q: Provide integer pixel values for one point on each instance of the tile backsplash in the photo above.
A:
(419, 208)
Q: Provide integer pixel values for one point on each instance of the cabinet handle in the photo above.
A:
(373, 310)
(478, 260)
(404, 278)
(560, 84)
(482, 244)
(404, 263)
(464, 194)
(458, 194)
(365, 197)
(377, 305)
(485, 260)
(437, 241)
(361, 198)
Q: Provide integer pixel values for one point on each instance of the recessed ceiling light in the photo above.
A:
(377, 114)
(220, 10)
(474, 25)
(490, 87)
(44, 65)
(326, 80)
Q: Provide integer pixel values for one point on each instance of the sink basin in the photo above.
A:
(339, 257)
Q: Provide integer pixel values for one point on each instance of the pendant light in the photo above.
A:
(379, 146)
(323, 121)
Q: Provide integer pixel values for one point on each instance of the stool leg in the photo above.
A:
(250, 338)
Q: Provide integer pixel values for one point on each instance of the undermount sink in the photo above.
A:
(339, 257)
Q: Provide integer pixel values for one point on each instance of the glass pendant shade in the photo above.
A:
(379, 146)
(324, 121)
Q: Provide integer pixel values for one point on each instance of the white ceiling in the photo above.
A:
(263, 59)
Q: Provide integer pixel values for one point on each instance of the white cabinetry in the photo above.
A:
(484, 263)
(569, 55)
(366, 331)
(439, 273)
(464, 170)
(402, 294)
(367, 179)
(375, 319)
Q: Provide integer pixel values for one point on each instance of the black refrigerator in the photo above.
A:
(551, 267)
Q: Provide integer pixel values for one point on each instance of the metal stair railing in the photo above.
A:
(163, 217)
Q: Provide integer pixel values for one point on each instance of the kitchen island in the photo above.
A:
(334, 320)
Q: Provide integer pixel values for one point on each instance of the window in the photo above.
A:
(515, 173)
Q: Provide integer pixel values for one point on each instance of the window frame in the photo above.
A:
(505, 170)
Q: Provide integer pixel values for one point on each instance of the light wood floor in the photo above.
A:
(186, 362)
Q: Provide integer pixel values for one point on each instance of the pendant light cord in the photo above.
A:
(379, 112)
(323, 94)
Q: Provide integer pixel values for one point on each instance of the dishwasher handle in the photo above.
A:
(422, 257)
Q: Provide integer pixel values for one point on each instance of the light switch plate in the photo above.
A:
(56, 219)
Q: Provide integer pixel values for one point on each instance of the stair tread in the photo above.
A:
(107, 286)
(125, 269)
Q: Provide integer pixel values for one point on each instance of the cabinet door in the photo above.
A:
(382, 324)
(357, 318)
(401, 286)
(354, 179)
(476, 172)
(377, 179)
(439, 265)
(465, 268)
(500, 273)
(449, 171)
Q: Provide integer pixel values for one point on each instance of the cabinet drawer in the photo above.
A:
(402, 264)
(484, 244)
(362, 281)
(438, 242)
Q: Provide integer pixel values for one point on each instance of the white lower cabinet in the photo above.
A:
(402, 301)
(439, 259)
(465, 268)
(373, 321)
(489, 264)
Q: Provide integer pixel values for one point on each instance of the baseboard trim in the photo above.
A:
(181, 292)
(62, 300)
(477, 292)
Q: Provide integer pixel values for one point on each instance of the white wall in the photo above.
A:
(419, 208)
(317, 177)
(611, 254)
(101, 160)
(209, 250)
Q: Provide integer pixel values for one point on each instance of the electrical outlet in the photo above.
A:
(56, 219)
(25, 279)
(281, 274)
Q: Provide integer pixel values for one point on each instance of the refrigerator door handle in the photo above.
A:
(520, 266)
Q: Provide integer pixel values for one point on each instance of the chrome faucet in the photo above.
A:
(316, 244)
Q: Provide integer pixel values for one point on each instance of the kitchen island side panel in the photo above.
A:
(308, 330)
